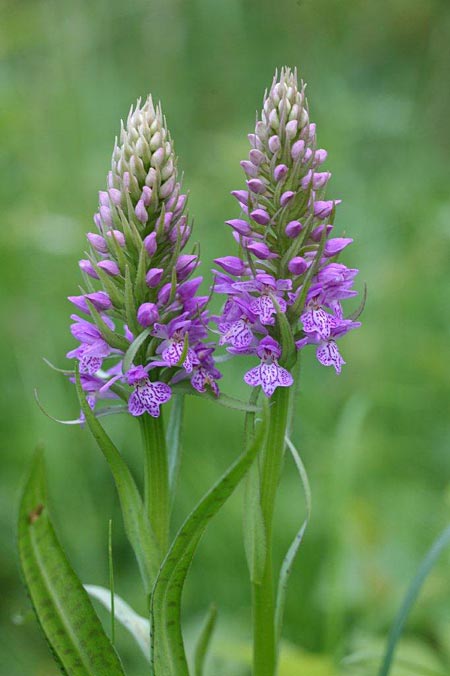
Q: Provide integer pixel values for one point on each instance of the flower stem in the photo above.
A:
(264, 640)
(156, 478)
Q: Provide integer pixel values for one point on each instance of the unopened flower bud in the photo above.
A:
(240, 226)
(256, 186)
(87, 267)
(150, 244)
(110, 267)
(297, 265)
(141, 212)
(280, 172)
(293, 229)
(147, 314)
(286, 197)
(260, 216)
(118, 236)
(98, 242)
(153, 277)
(297, 149)
(231, 264)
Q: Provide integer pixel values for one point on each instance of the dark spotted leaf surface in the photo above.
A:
(62, 606)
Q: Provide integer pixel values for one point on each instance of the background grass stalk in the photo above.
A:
(156, 478)
(264, 637)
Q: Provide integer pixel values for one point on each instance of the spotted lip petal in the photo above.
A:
(148, 397)
(269, 376)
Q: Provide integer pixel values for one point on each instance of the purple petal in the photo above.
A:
(328, 354)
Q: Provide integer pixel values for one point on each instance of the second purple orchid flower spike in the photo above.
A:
(287, 259)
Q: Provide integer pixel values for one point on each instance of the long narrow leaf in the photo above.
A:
(137, 527)
(168, 655)
(62, 606)
(138, 626)
(411, 595)
(289, 559)
(173, 436)
(204, 640)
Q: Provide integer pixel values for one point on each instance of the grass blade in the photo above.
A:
(204, 641)
(289, 559)
(411, 595)
(62, 606)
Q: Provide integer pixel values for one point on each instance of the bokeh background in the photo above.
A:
(375, 439)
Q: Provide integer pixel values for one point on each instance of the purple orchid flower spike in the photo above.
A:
(269, 374)
(142, 230)
(287, 259)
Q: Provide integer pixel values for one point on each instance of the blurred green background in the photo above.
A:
(375, 439)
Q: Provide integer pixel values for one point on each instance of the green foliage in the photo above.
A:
(62, 606)
(376, 74)
(168, 654)
(137, 526)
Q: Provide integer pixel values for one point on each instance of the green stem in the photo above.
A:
(264, 639)
(156, 478)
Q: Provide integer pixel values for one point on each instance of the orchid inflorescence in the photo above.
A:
(287, 263)
(147, 291)
(145, 334)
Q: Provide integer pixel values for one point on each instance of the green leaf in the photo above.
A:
(62, 606)
(204, 640)
(168, 655)
(254, 529)
(289, 353)
(222, 399)
(137, 527)
(173, 435)
(130, 305)
(134, 349)
(411, 595)
(111, 338)
(139, 627)
(289, 559)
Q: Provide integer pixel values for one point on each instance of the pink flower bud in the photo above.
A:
(231, 264)
(256, 186)
(118, 236)
(297, 265)
(110, 267)
(105, 214)
(260, 216)
(297, 149)
(293, 229)
(98, 242)
(319, 157)
(141, 212)
(146, 195)
(115, 196)
(241, 196)
(240, 226)
(153, 277)
(261, 250)
(291, 129)
(147, 314)
(317, 234)
(280, 172)
(257, 157)
(87, 267)
(274, 143)
(150, 244)
(286, 197)
(249, 168)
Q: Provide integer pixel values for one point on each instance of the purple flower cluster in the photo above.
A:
(287, 263)
(146, 284)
